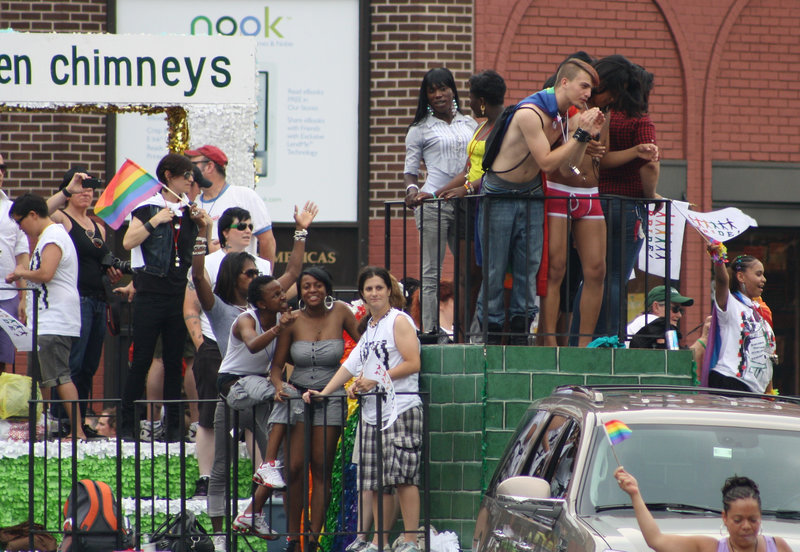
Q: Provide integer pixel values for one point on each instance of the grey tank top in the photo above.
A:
(315, 362)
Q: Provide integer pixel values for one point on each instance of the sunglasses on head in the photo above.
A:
(241, 226)
(251, 272)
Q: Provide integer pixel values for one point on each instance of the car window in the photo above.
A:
(546, 446)
(520, 447)
(562, 473)
(687, 464)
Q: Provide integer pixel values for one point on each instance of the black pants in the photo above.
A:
(154, 315)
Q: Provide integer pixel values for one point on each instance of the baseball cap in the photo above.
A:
(68, 176)
(211, 152)
(659, 294)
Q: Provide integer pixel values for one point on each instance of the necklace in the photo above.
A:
(480, 136)
(734, 549)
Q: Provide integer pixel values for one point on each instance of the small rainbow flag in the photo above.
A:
(129, 187)
(617, 431)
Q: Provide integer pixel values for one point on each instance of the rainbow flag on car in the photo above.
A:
(129, 187)
(617, 431)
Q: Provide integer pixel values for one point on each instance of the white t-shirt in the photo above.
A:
(13, 242)
(376, 349)
(213, 260)
(746, 343)
(238, 196)
(59, 302)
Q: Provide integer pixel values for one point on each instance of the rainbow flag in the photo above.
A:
(617, 431)
(129, 187)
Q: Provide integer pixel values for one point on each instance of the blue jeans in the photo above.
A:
(624, 221)
(511, 230)
(84, 357)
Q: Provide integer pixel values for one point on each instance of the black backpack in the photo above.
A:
(495, 138)
(96, 523)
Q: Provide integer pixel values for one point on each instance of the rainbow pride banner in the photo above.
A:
(617, 431)
(129, 187)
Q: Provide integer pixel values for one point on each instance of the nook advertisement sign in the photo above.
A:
(306, 91)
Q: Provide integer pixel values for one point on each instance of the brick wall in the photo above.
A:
(39, 147)
(478, 396)
(409, 37)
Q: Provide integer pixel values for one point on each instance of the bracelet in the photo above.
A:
(701, 342)
(412, 186)
(199, 250)
(66, 193)
(300, 235)
(434, 195)
(201, 239)
(720, 258)
(149, 227)
(582, 135)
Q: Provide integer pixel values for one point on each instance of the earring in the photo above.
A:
(329, 302)
(455, 107)
(483, 108)
(301, 305)
(429, 109)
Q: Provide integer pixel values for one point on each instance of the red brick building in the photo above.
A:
(722, 104)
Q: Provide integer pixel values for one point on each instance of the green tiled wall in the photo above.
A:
(478, 394)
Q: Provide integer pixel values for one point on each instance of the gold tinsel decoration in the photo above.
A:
(177, 121)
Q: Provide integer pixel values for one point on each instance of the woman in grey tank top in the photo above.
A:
(316, 346)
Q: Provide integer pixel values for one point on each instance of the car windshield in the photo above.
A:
(684, 467)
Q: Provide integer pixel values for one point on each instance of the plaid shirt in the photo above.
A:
(626, 132)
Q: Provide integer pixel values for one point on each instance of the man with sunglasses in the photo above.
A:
(656, 308)
(213, 162)
(13, 252)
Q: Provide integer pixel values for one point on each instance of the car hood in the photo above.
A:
(621, 532)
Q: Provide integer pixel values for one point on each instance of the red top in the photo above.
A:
(626, 132)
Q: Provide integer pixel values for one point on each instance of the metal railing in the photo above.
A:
(149, 479)
(406, 261)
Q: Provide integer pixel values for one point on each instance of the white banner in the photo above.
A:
(93, 68)
(652, 257)
(21, 336)
(719, 225)
(307, 93)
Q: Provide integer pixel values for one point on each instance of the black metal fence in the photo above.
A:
(152, 481)
(457, 223)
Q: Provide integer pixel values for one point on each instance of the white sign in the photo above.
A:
(721, 225)
(653, 256)
(307, 95)
(94, 68)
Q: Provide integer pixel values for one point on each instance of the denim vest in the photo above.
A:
(157, 248)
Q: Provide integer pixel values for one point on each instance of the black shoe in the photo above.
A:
(520, 326)
(495, 334)
(91, 434)
(201, 487)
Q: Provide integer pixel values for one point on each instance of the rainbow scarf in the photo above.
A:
(129, 187)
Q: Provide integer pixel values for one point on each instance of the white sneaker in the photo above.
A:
(358, 545)
(268, 474)
(255, 525)
(151, 431)
(219, 543)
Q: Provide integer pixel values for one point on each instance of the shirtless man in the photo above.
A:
(511, 228)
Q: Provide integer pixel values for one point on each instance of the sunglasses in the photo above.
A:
(20, 219)
(198, 163)
(241, 226)
(251, 272)
(674, 308)
(97, 241)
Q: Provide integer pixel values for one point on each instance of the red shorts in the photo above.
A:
(578, 203)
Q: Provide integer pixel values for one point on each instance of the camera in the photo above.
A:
(110, 261)
(92, 183)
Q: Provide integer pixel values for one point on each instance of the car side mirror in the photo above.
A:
(530, 496)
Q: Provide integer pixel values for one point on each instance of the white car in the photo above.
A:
(554, 489)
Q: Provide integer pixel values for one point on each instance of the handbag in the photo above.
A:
(168, 536)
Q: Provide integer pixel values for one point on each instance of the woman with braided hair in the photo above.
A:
(741, 516)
